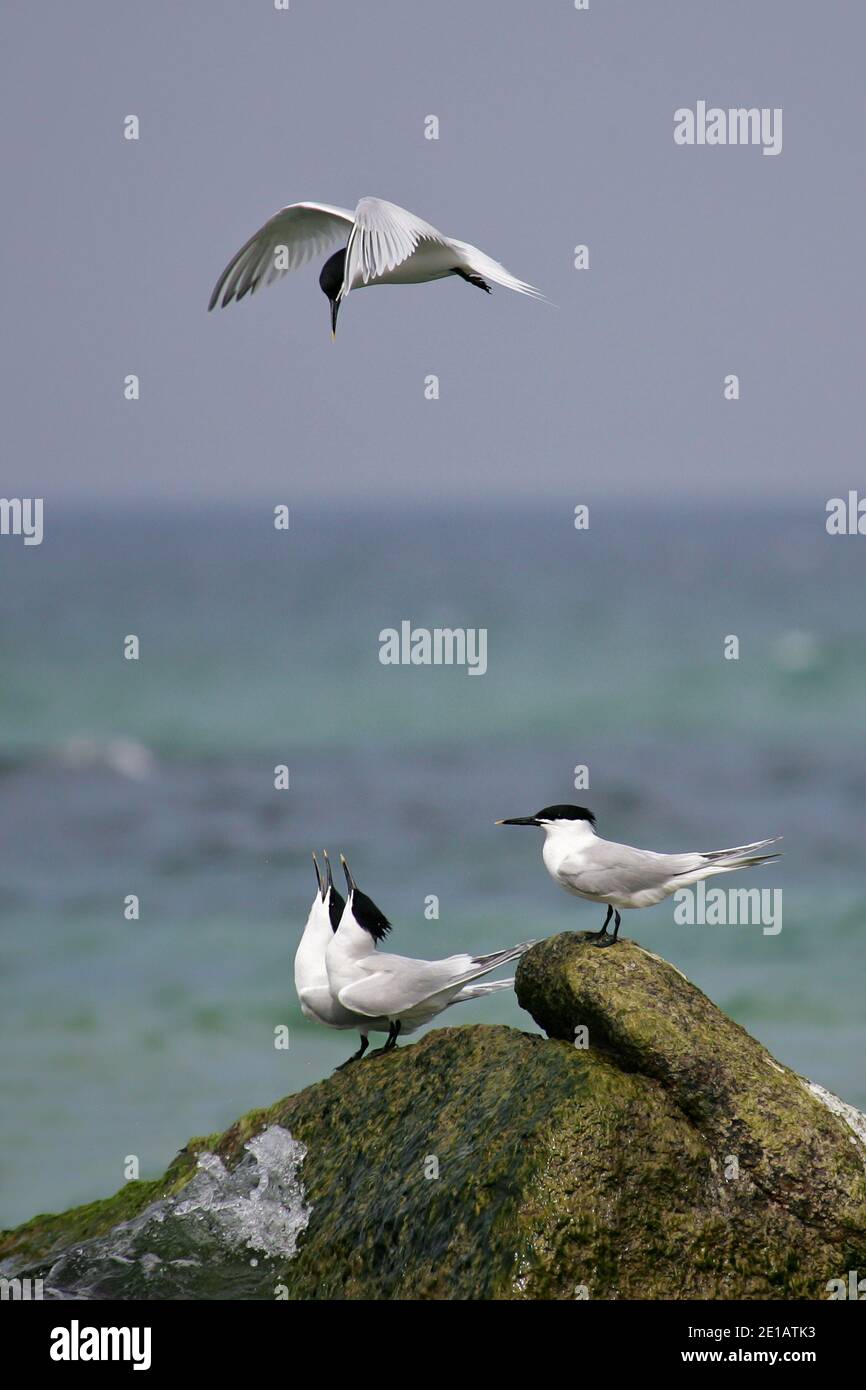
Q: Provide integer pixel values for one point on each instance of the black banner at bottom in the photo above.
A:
(66, 1336)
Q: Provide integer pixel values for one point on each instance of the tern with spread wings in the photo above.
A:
(385, 245)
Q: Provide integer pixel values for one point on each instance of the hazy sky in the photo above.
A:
(556, 128)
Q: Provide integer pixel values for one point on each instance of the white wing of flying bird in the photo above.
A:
(390, 245)
(304, 229)
(384, 237)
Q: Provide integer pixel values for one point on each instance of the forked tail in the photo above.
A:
(480, 990)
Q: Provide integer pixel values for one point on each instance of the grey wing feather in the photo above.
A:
(304, 229)
(739, 851)
(622, 869)
(398, 983)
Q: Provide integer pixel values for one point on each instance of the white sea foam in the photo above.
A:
(215, 1219)
(261, 1204)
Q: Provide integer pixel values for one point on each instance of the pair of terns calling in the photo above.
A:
(601, 871)
(343, 981)
(385, 245)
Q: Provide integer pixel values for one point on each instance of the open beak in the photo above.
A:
(319, 878)
(347, 871)
(520, 820)
(329, 882)
(335, 309)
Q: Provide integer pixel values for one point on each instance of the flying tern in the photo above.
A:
(311, 975)
(619, 875)
(406, 992)
(385, 245)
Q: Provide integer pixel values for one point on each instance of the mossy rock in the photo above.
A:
(645, 1014)
(485, 1163)
(43, 1237)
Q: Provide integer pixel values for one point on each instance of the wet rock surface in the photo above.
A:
(663, 1153)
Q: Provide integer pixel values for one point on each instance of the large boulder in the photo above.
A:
(647, 1148)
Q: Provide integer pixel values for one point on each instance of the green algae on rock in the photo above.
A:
(671, 1157)
(47, 1235)
(643, 1012)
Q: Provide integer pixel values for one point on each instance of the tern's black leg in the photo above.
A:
(356, 1056)
(603, 931)
(475, 280)
(390, 1041)
(610, 940)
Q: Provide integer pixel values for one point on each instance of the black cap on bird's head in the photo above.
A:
(335, 900)
(364, 910)
(331, 282)
(550, 814)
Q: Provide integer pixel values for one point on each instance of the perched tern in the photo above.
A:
(311, 975)
(385, 245)
(406, 992)
(604, 872)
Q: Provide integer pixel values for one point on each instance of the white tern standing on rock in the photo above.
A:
(619, 875)
(406, 992)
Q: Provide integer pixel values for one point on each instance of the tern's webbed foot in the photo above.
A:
(602, 939)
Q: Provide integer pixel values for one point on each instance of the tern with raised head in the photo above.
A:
(620, 876)
(385, 245)
(311, 976)
(406, 992)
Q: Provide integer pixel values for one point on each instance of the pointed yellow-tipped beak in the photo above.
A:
(350, 882)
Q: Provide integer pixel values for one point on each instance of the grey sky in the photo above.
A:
(556, 128)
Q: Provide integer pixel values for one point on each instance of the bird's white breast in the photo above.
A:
(570, 845)
(430, 261)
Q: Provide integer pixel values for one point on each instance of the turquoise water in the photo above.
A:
(261, 648)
